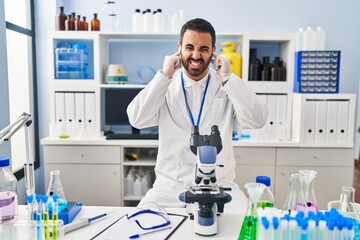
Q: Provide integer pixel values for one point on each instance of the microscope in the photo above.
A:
(208, 198)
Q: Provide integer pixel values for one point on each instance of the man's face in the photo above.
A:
(196, 52)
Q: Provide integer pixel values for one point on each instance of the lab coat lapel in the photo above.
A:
(180, 100)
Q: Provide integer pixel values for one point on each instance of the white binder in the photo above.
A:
(80, 109)
(59, 107)
(343, 121)
(309, 130)
(70, 107)
(320, 118)
(281, 116)
(261, 134)
(271, 125)
(90, 113)
(331, 121)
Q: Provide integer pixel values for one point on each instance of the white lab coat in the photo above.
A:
(162, 103)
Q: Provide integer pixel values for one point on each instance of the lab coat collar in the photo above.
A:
(188, 82)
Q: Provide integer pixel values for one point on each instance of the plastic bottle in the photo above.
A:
(267, 199)
(138, 187)
(95, 23)
(300, 40)
(309, 39)
(8, 191)
(137, 21)
(320, 39)
(228, 50)
(254, 66)
(148, 21)
(129, 185)
(55, 187)
(60, 19)
(159, 21)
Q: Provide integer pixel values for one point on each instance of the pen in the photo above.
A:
(83, 222)
(141, 234)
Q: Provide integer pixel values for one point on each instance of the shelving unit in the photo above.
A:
(93, 156)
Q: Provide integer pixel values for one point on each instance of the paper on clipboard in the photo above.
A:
(123, 228)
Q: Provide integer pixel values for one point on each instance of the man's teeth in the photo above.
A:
(195, 63)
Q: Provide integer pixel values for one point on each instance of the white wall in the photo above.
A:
(340, 20)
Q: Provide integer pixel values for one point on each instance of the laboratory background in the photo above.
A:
(257, 24)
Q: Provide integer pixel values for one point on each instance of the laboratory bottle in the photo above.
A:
(55, 187)
(249, 225)
(85, 25)
(95, 23)
(299, 40)
(138, 187)
(60, 19)
(347, 200)
(308, 180)
(70, 22)
(309, 39)
(129, 185)
(229, 51)
(266, 69)
(148, 21)
(77, 24)
(282, 71)
(159, 21)
(8, 191)
(295, 200)
(254, 66)
(320, 36)
(137, 21)
(275, 69)
(267, 199)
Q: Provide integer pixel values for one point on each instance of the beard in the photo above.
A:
(195, 72)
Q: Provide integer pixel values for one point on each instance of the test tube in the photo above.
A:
(30, 203)
(46, 217)
(55, 215)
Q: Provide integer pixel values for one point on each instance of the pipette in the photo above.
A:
(83, 222)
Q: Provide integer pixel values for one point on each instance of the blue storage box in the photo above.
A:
(317, 71)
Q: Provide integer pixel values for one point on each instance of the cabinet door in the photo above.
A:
(328, 183)
(90, 184)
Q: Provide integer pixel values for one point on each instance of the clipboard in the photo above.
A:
(123, 228)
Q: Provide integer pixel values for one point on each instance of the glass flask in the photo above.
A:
(267, 199)
(347, 200)
(55, 187)
(308, 179)
(248, 229)
(295, 200)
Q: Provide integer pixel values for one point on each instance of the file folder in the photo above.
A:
(70, 107)
(331, 121)
(271, 121)
(80, 109)
(281, 116)
(261, 134)
(309, 130)
(343, 121)
(90, 113)
(59, 107)
(320, 118)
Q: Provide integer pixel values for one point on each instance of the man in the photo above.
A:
(187, 93)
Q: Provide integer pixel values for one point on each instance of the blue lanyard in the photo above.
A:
(202, 101)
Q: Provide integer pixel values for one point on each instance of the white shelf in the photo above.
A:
(140, 162)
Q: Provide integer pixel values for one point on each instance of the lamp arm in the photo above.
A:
(11, 129)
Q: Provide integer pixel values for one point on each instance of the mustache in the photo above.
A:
(198, 60)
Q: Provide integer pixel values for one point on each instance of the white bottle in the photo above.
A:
(129, 185)
(300, 40)
(309, 39)
(175, 23)
(137, 22)
(320, 39)
(148, 21)
(159, 21)
(138, 187)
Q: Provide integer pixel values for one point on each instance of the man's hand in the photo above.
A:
(171, 64)
(222, 66)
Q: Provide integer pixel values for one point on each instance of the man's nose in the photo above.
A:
(196, 54)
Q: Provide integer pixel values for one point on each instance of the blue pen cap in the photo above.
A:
(264, 180)
(4, 162)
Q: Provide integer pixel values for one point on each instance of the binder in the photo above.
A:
(343, 119)
(90, 113)
(59, 107)
(271, 121)
(261, 134)
(70, 107)
(281, 116)
(331, 121)
(80, 109)
(320, 118)
(309, 130)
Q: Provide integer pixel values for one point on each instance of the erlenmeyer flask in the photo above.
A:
(248, 229)
(308, 178)
(295, 200)
(55, 187)
(347, 199)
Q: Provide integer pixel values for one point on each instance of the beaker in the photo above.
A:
(55, 187)
(295, 200)
(308, 178)
(248, 229)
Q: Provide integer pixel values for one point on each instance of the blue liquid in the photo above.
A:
(62, 205)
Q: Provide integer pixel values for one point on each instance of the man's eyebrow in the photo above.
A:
(189, 45)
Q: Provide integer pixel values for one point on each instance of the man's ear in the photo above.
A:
(179, 46)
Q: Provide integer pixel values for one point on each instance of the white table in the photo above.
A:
(229, 223)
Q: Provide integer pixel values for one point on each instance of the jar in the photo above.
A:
(8, 191)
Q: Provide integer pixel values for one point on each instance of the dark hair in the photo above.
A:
(199, 25)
